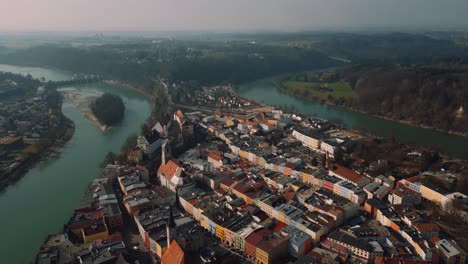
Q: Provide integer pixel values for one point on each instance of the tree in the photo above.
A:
(109, 109)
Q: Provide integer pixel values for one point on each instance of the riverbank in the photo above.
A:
(406, 122)
(150, 122)
(48, 152)
(90, 190)
(83, 105)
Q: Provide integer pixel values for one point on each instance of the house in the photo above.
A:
(404, 195)
(427, 230)
(360, 249)
(271, 249)
(215, 158)
(150, 143)
(307, 138)
(349, 175)
(94, 232)
(252, 241)
(171, 175)
(299, 243)
(135, 155)
(174, 254)
(451, 252)
(434, 194)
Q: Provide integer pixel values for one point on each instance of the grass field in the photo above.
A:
(312, 90)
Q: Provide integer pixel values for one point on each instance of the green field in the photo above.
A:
(320, 91)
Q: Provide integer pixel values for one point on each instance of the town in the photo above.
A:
(30, 122)
(244, 185)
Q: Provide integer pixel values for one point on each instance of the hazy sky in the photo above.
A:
(27, 15)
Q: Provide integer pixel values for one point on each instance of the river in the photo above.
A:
(42, 201)
(266, 91)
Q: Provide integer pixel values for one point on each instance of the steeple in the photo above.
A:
(163, 153)
(171, 221)
(177, 203)
(170, 224)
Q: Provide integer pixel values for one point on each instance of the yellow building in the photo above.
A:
(220, 233)
(271, 249)
(433, 194)
(94, 232)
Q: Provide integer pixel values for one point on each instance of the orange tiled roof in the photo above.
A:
(279, 226)
(427, 227)
(413, 179)
(347, 173)
(169, 169)
(174, 254)
(215, 156)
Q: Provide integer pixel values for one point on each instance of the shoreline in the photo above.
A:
(51, 151)
(83, 107)
(405, 122)
(89, 116)
(140, 90)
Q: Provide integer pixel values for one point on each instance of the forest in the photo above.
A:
(434, 95)
(109, 109)
(206, 63)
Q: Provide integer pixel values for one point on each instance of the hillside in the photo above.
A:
(433, 95)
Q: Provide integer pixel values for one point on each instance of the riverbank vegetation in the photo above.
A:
(317, 86)
(109, 109)
(428, 95)
(432, 95)
(380, 81)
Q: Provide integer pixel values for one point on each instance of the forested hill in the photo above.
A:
(207, 63)
(390, 47)
(431, 95)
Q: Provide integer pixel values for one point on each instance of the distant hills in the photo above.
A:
(418, 78)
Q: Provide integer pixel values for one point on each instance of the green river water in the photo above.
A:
(42, 201)
(265, 91)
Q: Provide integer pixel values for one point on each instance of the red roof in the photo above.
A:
(241, 187)
(402, 190)
(271, 243)
(134, 153)
(169, 169)
(257, 236)
(413, 179)
(279, 226)
(427, 227)
(141, 167)
(215, 155)
(174, 254)
(97, 214)
(289, 195)
(227, 182)
(346, 173)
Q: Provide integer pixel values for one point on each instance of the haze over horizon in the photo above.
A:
(126, 15)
